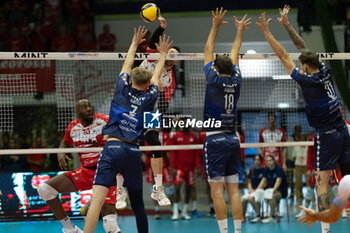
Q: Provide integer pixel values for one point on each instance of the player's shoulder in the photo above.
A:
(264, 129)
(345, 180)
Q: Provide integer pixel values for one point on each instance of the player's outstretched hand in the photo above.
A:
(139, 35)
(164, 44)
(243, 23)
(162, 22)
(218, 17)
(309, 216)
(263, 23)
(62, 160)
(284, 15)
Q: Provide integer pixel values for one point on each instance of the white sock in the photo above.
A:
(67, 223)
(326, 228)
(158, 178)
(176, 208)
(184, 209)
(238, 226)
(120, 181)
(223, 225)
(194, 205)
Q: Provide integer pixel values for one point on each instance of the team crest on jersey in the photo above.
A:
(151, 120)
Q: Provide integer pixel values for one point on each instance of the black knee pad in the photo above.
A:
(345, 169)
(152, 139)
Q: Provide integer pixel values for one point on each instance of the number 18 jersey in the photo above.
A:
(221, 97)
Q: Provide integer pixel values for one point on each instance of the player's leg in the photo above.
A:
(323, 202)
(121, 193)
(194, 201)
(188, 189)
(298, 184)
(158, 194)
(177, 197)
(232, 188)
(49, 191)
(217, 194)
(99, 194)
(109, 215)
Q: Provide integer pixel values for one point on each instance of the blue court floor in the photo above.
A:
(202, 225)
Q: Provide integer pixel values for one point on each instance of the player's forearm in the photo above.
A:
(275, 45)
(63, 144)
(277, 184)
(155, 37)
(236, 47)
(159, 68)
(209, 46)
(297, 40)
(129, 60)
(330, 215)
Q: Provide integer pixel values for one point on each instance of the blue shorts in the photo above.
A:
(119, 157)
(222, 155)
(331, 146)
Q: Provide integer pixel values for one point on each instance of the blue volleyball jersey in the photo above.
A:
(221, 97)
(321, 102)
(257, 176)
(127, 107)
(272, 175)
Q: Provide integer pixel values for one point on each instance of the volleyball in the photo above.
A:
(149, 12)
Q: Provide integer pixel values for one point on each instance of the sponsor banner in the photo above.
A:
(15, 73)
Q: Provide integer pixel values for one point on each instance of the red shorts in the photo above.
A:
(167, 178)
(188, 176)
(83, 179)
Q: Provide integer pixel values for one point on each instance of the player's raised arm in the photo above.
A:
(157, 33)
(236, 47)
(297, 40)
(163, 48)
(275, 45)
(209, 46)
(137, 39)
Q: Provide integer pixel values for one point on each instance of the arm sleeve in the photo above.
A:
(155, 37)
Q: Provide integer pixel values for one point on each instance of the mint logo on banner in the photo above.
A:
(151, 120)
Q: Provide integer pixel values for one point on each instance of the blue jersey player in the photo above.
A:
(332, 140)
(221, 148)
(136, 91)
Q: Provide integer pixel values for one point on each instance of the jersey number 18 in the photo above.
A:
(229, 101)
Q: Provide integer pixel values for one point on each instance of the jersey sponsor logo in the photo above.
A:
(151, 120)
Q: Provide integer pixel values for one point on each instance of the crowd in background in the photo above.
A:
(51, 25)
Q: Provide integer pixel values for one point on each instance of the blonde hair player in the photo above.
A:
(222, 155)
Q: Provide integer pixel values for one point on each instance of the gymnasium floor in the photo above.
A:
(202, 225)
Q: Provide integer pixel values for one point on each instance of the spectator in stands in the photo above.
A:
(82, 28)
(272, 134)
(17, 9)
(186, 164)
(87, 44)
(299, 156)
(255, 182)
(76, 8)
(54, 9)
(106, 40)
(13, 163)
(4, 29)
(275, 182)
(37, 161)
(37, 40)
(16, 42)
(47, 26)
(64, 41)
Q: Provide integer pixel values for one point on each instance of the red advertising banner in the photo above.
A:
(18, 76)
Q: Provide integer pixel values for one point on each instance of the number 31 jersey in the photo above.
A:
(221, 97)
(321, 102)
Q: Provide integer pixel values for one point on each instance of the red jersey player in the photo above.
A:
(83, 132)
(272, 133)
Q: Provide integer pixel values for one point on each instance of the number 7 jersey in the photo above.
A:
(321, 102)
(221, 97)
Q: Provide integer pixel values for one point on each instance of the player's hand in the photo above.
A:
(218, 16)
(139, 35)
(164, 44)
(263, 23)
(309, 217)
(62, 160)
(162, 22)
(284, 15)
(243, 23)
